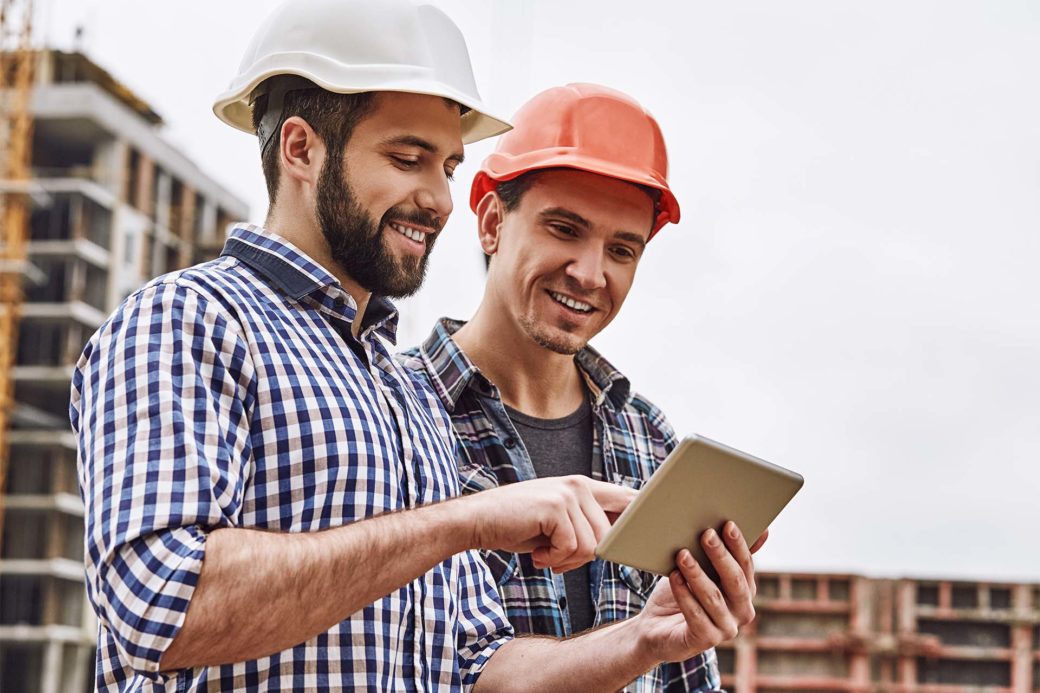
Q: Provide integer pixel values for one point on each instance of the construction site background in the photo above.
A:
(100, 204)
(107, 204)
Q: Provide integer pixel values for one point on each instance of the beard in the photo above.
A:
(547, 338)
(356, 240)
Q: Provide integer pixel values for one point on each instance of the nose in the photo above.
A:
(588, 268)
(435, 196)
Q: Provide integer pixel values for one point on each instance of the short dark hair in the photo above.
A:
(333, 117)
(512, 191)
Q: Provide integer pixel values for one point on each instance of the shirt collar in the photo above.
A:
(451, 371)
(288, 269)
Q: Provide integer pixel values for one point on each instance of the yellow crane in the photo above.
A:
(16, 77)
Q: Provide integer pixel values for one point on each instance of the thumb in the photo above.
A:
(611, 497)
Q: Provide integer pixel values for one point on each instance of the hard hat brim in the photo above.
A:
(498, 168)
(233, 107)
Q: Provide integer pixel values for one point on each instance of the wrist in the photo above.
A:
(638, 636)
(644, 642)
(457, 524)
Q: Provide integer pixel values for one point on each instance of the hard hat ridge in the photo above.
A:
(352, 46)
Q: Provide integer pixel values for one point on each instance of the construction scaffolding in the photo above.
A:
(16, 65)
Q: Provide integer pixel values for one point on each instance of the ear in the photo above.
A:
(301, 151)
(490, 214)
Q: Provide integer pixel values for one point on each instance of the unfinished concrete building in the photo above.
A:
(818, 632)
(112, 204)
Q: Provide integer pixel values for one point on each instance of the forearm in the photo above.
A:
(605, 659)
(263, 592)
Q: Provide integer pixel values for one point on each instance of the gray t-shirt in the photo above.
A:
(559, 447)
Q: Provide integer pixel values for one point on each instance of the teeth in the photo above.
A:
(571, 303)
(409, 232)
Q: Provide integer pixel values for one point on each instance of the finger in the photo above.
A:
(733, 581)
(585, 550)
(562, 540)
(595, 516)
(611, 497)
(701, 628)
(738, 549)
(760, 541)
(740, 552)
(707, 595)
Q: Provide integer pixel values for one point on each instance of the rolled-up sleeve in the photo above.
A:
(482, 625)
(161, 401)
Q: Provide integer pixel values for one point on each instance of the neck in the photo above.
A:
(531, 378)
(297, 224)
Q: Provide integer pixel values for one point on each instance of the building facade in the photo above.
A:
(822, 632)
(112, 205)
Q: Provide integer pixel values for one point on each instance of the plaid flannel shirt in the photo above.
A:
(631, 439)
(233, 394)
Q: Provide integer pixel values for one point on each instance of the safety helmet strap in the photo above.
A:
(275, 89)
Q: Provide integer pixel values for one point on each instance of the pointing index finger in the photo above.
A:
(611, 497)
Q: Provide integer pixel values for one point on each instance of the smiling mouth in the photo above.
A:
(576, 306)
(408, 232)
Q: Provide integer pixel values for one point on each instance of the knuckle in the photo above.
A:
(738, 591)
(574, 482)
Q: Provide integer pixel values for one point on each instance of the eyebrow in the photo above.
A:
(566, 214)
(414, 141)
(630, 237)
(582, 221)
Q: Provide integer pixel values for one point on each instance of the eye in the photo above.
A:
(449, 173)
(404, 162)
(562, 229)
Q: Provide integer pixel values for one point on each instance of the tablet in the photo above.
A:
(701, 485)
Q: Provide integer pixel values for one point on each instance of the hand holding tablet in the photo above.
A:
(701, 485)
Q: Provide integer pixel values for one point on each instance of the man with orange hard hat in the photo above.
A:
(566, 205)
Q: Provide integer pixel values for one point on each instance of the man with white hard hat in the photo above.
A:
(269, 496)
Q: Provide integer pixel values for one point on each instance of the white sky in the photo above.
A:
(851, 292)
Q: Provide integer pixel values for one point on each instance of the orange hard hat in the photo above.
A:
(586, 127)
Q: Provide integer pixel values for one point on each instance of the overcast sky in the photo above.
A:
(851, 292)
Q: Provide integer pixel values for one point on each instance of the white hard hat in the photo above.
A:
(352, 46)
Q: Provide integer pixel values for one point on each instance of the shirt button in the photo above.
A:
(562, 602)
(510, 443)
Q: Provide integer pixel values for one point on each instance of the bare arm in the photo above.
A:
(605, 659)
(262, 592)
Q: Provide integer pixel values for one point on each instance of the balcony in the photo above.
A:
(75, 311)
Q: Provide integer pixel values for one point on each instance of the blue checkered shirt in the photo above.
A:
(632, 438)
(232, 394)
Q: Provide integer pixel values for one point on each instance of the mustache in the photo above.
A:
(414, 216)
